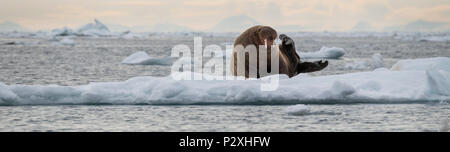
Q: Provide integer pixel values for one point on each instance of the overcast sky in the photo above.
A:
(333, 15)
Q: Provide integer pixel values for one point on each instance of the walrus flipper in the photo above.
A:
(305, 67)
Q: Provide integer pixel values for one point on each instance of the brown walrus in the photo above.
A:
(289, 60)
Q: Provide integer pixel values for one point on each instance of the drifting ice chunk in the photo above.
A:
(67, 41)
(323, 53)
(64, 41)
(297, 110)
(142, 58)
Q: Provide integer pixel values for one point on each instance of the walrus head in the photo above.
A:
(267, 35)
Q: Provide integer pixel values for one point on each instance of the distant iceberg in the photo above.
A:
(96, 29)
(409, 81)
(323, 53)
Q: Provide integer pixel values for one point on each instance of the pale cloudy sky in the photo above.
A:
(333, 15)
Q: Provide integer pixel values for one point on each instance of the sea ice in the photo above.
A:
(420, 80)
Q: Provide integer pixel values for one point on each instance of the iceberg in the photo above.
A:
(423, 82)
(96, 29)
(91, 29)
(323, 53)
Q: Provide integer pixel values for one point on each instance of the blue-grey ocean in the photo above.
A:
(77, 60)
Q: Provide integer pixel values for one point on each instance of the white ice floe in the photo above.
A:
(297, 110)
(427, 80)
(142, 58)
(323, 53)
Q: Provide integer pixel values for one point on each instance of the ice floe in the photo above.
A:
(409, 81)
(142, 58)
(323, 53)
(297, 110)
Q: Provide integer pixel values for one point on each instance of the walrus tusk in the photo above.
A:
(265, 43)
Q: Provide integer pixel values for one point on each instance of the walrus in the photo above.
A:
(256, 35)
(289, 60)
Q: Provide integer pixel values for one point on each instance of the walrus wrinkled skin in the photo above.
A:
(289, 60)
